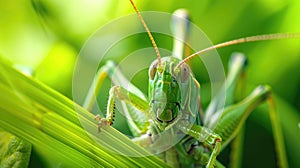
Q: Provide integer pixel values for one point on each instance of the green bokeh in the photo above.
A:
(47, 36)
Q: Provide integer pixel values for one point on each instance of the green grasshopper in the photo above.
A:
(171, 116)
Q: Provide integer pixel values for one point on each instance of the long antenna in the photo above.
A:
(242, 40)
(149, 33)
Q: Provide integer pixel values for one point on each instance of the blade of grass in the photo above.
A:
(50, 122)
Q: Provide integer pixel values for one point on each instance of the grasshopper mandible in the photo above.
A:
(173, 104)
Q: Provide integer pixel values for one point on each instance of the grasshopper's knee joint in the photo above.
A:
(115, 91)
(215, 152)
(217, 145)
(218, 140)
(118, 92)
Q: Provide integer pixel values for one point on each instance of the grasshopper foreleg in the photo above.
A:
(120, 93)
(137, 116)
(206, 136)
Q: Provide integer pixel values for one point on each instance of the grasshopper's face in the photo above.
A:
(164, 92)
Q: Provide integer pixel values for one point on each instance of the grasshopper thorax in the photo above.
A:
(164, 91)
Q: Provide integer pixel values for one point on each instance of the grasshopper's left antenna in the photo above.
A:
(149, 33)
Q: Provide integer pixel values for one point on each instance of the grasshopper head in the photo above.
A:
(164, 92)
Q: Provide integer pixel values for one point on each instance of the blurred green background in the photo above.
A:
(47, 36)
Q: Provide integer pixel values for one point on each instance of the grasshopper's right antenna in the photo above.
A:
(242, 40)
(149, 33)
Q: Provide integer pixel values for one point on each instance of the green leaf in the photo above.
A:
(53, 125)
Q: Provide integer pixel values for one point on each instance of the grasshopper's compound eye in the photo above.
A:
(153, 69)
(185, 72)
